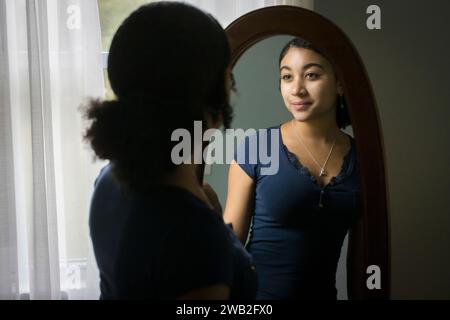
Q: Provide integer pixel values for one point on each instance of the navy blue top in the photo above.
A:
(163, 244)
(298, 226)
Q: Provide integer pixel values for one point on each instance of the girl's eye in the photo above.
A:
(312, 75)
(286, 77)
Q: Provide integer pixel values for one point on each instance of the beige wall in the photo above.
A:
(408, 64)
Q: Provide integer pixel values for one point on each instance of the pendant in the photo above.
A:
(322, 172)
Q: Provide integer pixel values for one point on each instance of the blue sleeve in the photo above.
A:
(103, 171)
(197, 253)
(246, 155)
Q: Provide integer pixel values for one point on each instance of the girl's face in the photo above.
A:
(308, 84)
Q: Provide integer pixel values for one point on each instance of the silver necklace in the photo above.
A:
(323, 172)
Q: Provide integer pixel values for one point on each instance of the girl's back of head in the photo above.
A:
(166, 66)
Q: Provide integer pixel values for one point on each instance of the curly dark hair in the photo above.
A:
(166, 66)
(342, 116)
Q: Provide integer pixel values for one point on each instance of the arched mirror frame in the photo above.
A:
(370, 246)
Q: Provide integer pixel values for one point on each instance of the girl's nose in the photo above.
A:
(298, 89)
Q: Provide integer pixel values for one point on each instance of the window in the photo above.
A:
(112, 13)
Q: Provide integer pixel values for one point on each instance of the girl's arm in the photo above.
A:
(240, 200)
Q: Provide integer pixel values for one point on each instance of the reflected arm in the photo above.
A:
(240, 199)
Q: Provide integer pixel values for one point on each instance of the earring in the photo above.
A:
(341, 101)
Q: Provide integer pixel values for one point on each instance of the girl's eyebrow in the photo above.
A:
(313, 64)
(306, 66)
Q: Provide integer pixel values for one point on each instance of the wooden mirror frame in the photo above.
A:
(370, 247)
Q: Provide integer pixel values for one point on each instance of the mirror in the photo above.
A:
(256, 40)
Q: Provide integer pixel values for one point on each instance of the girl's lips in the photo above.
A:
(301, 102)
(301, 106)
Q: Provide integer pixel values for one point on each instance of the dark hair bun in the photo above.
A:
(107, 130)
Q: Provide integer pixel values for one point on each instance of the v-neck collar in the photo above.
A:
(346, 168)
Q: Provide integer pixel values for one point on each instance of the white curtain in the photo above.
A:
(50, 63)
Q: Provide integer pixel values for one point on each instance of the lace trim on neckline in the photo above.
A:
(346, 168)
